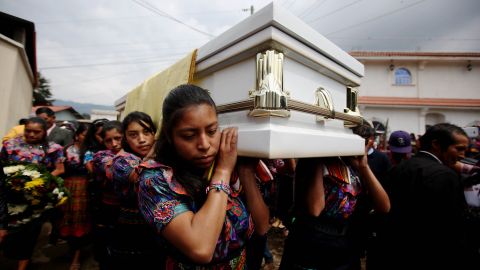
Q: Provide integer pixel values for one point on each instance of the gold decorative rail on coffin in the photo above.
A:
(269, 99)
(323, 99)
(352, 107)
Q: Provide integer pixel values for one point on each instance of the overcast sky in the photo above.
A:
(95, 51)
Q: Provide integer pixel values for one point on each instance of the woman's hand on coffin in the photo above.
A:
(227, 153)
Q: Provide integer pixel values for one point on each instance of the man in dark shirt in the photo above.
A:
(425, 228)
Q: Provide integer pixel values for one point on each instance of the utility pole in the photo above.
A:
(251, 10)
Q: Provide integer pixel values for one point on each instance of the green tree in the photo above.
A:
(41, 94)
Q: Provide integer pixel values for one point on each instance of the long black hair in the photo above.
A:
(91, 143)
(113, 124)
(174, 105)
(143, 120)
(443, 133)
(82, 127)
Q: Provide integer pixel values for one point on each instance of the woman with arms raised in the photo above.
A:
(329, 192)
(190, 192)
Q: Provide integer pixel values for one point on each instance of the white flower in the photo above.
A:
(56, 191)
(60, 195)
(26, 220)
(13, 169)
(32, 174)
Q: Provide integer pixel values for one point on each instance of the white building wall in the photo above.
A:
(450, 80)
(16, 85)
(379, 81)
(447, 79)
(398, 119)
(104, 114)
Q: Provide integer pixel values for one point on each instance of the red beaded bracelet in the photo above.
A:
(219, 187)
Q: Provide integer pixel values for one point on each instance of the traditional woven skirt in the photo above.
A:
(76, 221)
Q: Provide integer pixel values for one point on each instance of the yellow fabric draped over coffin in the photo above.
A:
(148, 97)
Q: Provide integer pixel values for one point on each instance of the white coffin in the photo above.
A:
(227, 67)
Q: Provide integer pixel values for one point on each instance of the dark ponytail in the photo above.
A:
(174, 105)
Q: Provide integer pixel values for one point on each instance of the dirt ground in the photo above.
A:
(60, 257)
(276, 239)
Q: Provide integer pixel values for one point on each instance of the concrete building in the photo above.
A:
(104, 114)
(18, 69)
(413, 90)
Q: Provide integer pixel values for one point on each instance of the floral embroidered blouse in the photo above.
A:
(17, 150)
(101, 160)
(121, 179)
(342, 190)
(162, 198)
(73, 164)
(122, 172)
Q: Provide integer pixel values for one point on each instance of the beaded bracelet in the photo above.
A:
(223, 187)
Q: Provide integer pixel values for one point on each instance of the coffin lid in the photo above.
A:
(274, 16)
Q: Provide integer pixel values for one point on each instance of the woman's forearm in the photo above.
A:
(316, 193)
(196, 234)
(59, 169)
(381, 201)
(255, 203)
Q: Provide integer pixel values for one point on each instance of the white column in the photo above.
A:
(421, 120)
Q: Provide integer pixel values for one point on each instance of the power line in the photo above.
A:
(105, 64)
(101, 78)
(307, 11)
(293, 2)
(154, 9)
(87, 20)
(92, 20)
(407, 38)
(129, 43)
(376, 18)
(335, 11)
(138, 52)
(126, 58)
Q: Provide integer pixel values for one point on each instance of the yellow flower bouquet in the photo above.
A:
(30, 191)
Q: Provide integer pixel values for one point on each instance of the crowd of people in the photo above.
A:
(181, 198)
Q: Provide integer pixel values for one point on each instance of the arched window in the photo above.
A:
(403, 76)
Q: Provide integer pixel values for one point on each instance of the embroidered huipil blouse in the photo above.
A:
(17, 150)
(162, 198)
(121, 172)
(73, 164)
(342, 190)
(101, 160)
